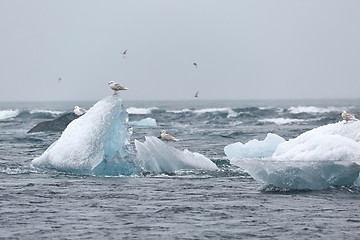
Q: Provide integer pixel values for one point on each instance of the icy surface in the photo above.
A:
(254, 148)
(322, 157)
(96, 143)
(146, 122)
(157, 156)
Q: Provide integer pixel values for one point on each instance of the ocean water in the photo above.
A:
(188, 204)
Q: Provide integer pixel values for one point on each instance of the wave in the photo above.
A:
(141, 111)
(314, 110)
(7, 114)
(36, 113)
(282, 121)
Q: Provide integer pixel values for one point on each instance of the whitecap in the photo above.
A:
(6, 114)
(282, 121)
(313, 109)
(140, 111)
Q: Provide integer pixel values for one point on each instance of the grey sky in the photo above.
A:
(244, 49)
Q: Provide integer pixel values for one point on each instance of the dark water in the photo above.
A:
(226, 203)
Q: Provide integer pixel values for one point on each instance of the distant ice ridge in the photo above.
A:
(96, 143)
(157, 157)
(322, 157)
(146, 122)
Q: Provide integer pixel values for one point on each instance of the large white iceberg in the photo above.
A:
(96, 143)
(322, 157)
(157, 156)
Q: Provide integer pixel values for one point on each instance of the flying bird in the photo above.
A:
(79, 111)
(167, 137)
(124, 53)
(116, 86)
(197, 94)
(348, 117)
(195, 64)
(59, 79)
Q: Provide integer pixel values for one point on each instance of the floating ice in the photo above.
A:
(146, 122)
(157, 156)
(96, 143)
(322, 157)
(254, 148)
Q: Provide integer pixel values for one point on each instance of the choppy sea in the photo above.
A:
(196, 204)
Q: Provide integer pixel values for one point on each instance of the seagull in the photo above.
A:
(348, 117)
(195, 64)
(79, 111)
(116, 86)
(167, 137)
(59, 79)
(197, 94)
(124, 53)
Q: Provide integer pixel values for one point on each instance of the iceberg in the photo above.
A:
(254, 148)
(146, 122)
(317, 159)
(157, 156)
(96, 143)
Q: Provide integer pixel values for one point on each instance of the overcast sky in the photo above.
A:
(245, 49)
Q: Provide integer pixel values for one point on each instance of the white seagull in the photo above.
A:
(167, 137)
(348, 117)
(79, 111)
(116, 86)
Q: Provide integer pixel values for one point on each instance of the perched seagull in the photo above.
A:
(79, 111)
(197, 94)
(116, 86)
(348, 117)
(167, 137)
(195, 64)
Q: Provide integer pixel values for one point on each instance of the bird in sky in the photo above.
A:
(79, 111)
(348, 117)
(124, 53)
(197, 94)
(116, 86)
(195, 64)
(167, 137)
(59, 79)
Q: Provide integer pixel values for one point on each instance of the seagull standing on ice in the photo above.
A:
(167, 137)
(116, 86)
(348, 117)
(79, 111)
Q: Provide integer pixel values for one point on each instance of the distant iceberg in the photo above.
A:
(157, 156)
(322, 157)
(96, 143)
(146, 122)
